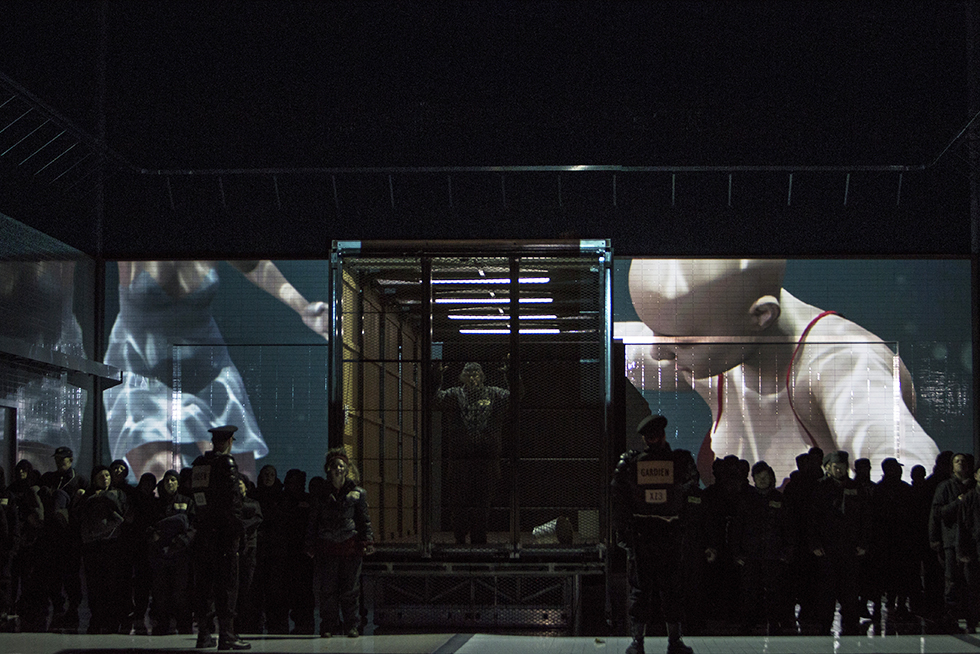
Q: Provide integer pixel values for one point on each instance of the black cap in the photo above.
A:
(890, 464)
(223, 432)
(64, 453)
(651, 425)
(840, 456)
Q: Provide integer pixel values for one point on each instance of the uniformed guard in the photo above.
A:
(220, 528)
(649, 490)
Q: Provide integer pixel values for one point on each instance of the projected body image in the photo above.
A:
(779, 375)
(36, 301)
(179, 379)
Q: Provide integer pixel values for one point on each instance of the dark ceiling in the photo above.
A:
(218, 85)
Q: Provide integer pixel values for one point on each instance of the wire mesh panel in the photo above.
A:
(381, 397)
(474, 392)
(558, 472)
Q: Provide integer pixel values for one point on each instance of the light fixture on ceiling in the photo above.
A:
(507, 331)
(492, 300)
(500, 317)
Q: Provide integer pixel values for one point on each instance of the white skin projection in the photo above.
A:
(165, 304)
(729, 331)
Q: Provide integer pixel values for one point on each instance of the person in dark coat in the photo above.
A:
(798, 494)
(9, 542)
(294, 515)
(933, 566)
(252, 517)
(100, 513)
(144, 507)
(722, 499)
(60, 542)
(220, 529)
(840, 532)
(268, 589)
(943, 534)
(761, 547)
(338, 535)
(892, 548)
(868, 590)
(649, 494)
(170, 537)
(699, 551)
(968, 548)
(27, 588)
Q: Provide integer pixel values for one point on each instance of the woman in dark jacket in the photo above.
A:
(9, 541)
(271, 562)
(100, 513)
(170, 537)
(338, 535)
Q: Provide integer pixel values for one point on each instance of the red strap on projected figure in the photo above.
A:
(789, 372)
(721, 402)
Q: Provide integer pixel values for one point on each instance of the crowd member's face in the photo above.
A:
(102, 479)
(655, 438)
(64, 463)
(118, 472)
(241, 487)
(170, 485)
(22, 473)
(338, 472)
(837, 470)
(267, 477)
(763, 479)
(959, 466)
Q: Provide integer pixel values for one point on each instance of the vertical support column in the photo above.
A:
(336, 414)
(361, 383)
(416, 431)
(100, 437)
(383, 424)
(401, 435)
(513, 418)
(428, 392)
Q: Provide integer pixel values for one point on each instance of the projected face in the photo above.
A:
(706, 315)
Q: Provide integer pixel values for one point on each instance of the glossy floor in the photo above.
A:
(498, 644)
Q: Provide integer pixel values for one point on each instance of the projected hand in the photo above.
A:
(316, 316)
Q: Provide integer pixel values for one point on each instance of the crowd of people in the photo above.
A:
(771, 560)
(165, 555)
(748, 557)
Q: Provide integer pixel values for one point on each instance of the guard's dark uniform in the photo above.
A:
(649, 490)
(219, 525)
(839, 525)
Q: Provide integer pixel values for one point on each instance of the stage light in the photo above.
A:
(500, 317)
(492, 300)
